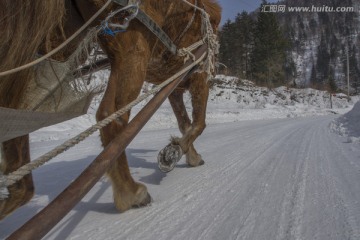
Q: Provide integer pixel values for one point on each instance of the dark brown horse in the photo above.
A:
(135, 56)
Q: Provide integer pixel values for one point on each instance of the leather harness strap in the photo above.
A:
(153, 27)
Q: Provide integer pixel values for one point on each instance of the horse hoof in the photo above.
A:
(147, 200)
(198, 165)
(168, 157)
(194, 159)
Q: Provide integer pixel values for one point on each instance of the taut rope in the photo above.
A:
(8, 180)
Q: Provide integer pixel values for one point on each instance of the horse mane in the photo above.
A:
(25, 26)
(213, 8)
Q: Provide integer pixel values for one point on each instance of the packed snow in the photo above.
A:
(349, 124)
(275, 168)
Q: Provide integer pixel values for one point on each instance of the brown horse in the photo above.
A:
(135, 56)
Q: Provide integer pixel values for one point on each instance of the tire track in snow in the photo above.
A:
(264, 170)
(327, 200)
(246, 231)
(290, 224)
(351, 225)
(268, 182)
(163, 212)
(327, 212)
(166, 206)
(283, 158)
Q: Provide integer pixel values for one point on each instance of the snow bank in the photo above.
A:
(247, 95)
(230, 100)
(349, 124)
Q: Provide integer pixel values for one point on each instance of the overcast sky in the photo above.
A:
(232, 7)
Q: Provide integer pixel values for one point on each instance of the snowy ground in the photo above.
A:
(273, 171)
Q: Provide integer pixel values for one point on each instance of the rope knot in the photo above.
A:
(186, 52)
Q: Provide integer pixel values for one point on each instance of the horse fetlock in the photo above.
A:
(132, 199)
(19, 194)
(193, 159)
(142, 197)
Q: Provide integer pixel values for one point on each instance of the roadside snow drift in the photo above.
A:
(349, 124)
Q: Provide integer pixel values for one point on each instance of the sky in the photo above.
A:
(232, 7)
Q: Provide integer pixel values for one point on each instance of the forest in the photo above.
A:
(298, 49)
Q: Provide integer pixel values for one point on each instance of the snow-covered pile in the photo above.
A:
(230, 100)
(349, 124)
(246, 95)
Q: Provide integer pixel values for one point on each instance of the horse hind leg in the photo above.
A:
(14, 154)
(193, 159)
(199, 92)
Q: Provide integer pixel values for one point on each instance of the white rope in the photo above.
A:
(187, 52)
(209, 38)
(8, 180)
(61, 46)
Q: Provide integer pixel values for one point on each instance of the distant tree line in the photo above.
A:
(264, 46)
(256, 48)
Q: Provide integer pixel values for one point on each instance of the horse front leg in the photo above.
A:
(14, 154)
(127, 75)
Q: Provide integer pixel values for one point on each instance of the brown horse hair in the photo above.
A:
(35, 21)
(170, 24)
(31, 26)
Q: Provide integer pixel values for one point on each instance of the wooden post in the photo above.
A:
(348, 73)
(331, 103)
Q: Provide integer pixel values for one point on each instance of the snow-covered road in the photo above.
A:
(264, 179)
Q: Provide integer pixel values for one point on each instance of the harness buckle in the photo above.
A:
(119, 20)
